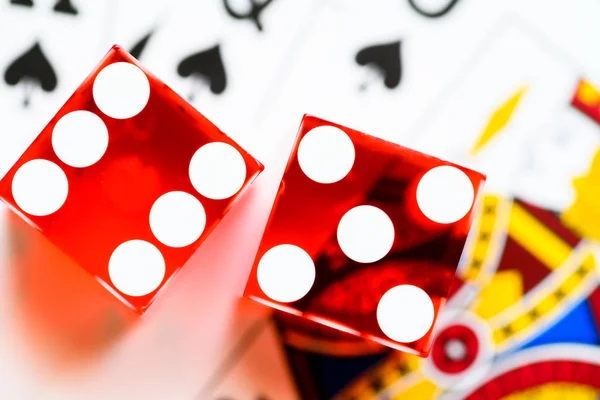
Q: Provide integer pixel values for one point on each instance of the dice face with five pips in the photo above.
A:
(365, 236)
(128, 179)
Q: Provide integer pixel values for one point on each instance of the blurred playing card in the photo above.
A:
(134, 23)
(564, 150)
(221, 63)
(42, 62)
(492, 118)
(379, 79)
(253, 365)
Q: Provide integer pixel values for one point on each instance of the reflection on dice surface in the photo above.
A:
(128, 179)
(365, 236)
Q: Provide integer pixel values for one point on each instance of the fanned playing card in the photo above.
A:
(48, 48)
(220, 56)
(379, 79)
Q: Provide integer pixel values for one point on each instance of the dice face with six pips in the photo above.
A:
(128, 179)
(365, 236)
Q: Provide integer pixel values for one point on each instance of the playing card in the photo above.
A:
(253, 366)
(493, 116)
(564, 150)
(48, 48)
(378, 80)
(221, 55)
(135, 23)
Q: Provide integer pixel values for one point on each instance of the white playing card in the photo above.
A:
(492, 118)
(221, 63)
(253, 365)
(378, 80)
(135, 23)
(46, 53)
(564, 150)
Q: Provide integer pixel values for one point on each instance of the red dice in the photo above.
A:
(128, 179)
(365, 236)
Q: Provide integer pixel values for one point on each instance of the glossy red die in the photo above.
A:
(128, 179)
(365, 236)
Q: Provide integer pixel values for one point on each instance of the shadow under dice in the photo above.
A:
(128, 179)
(365, 236)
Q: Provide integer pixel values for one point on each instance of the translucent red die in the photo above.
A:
(365, 236)
(128, 179)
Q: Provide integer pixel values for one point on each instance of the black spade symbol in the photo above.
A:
(207, 65)
(66, 7)
(26, 3)
(139, 47)
(32, 67)
(386, 58)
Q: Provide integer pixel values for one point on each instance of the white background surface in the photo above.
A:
(62, 337)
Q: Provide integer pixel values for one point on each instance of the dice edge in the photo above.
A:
(190, 109)
(247, 292)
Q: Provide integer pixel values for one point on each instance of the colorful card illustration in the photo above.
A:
(524, 276)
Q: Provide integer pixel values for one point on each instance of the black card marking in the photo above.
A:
(386, 59)
(65, 6)
(31, 68)
(26, 3)
(433, 14)
(139, 47)
(206, 65)
(253, 14)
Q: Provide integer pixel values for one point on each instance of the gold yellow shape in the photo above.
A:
(422, 390)
(499, 119)
(547, 304)
(589, 263)
(501, 335)
(521, 323)
(571, 283)
(587, 94)
(583, 215)
(485, 240)
(556, 391)
(504, 289)
(537, 239)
